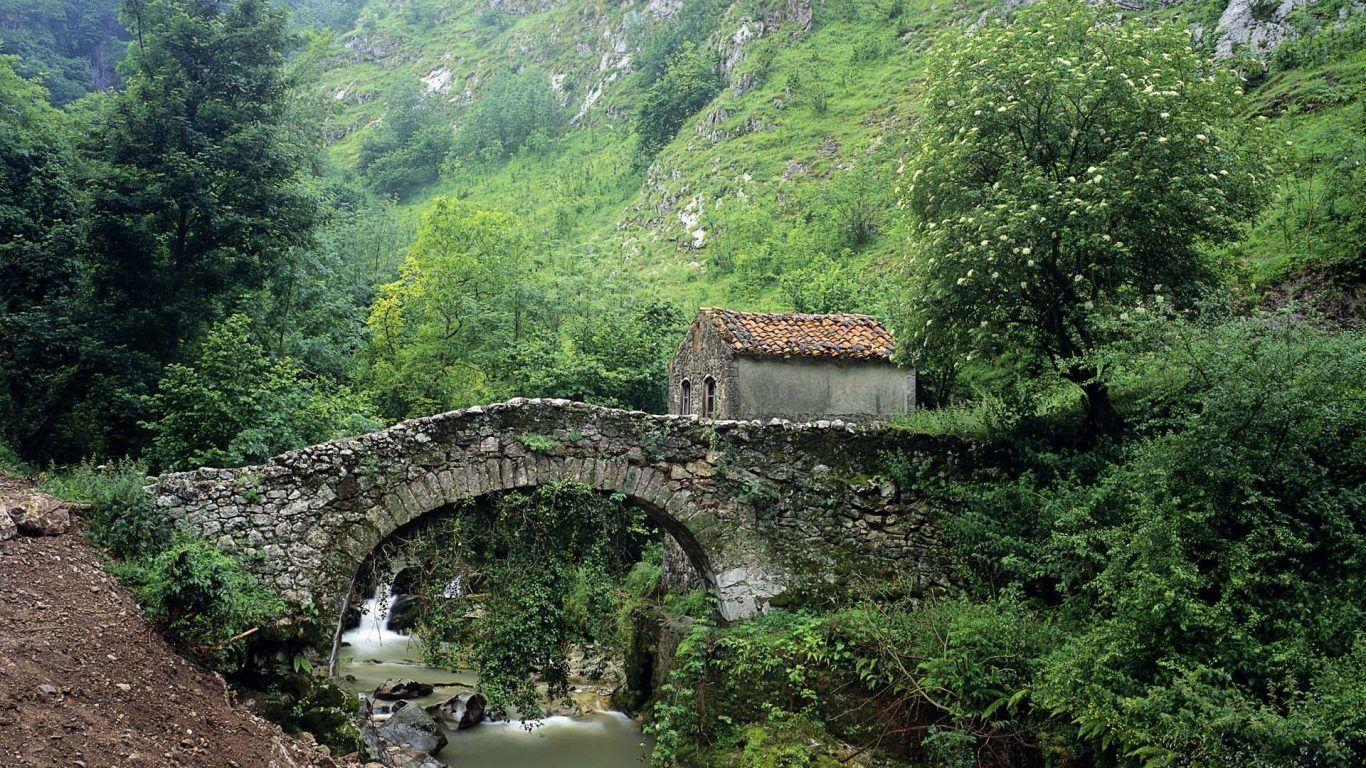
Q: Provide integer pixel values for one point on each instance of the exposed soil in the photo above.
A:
(86, 681)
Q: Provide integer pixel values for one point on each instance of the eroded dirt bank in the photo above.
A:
(86, 681)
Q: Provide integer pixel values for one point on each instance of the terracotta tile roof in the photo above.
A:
(790, 334)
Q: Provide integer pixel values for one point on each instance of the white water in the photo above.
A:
(373, 633)
(374, 653)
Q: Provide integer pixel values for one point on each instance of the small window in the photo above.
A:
(685, 397)
(708, 397)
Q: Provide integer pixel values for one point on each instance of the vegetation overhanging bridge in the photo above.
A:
(757, 507)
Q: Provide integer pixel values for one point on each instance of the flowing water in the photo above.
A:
(373, 653)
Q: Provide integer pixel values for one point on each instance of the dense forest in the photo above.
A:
(1123, 247)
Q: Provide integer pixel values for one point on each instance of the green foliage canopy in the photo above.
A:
(457, 305)
(689, 82)
(234, 404)
(517, 112)
(1068, 169)
(407, 149)
(40, 337)
(195, 193)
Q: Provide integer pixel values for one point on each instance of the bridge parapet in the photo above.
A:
(752, 504)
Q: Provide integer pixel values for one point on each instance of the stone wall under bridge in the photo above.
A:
(754, 505)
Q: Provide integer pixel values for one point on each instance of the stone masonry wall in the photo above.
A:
(754, 505)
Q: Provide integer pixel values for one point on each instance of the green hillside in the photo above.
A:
(792, 163)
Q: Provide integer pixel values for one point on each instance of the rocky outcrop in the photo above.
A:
(1260, 25)
(394, 690)
(463, 711)
(33, 514)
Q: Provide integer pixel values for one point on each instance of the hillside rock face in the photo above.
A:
(1262, 25)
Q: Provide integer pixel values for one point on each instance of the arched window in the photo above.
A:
(708, 397)
(685, 397)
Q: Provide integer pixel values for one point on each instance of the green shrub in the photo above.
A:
(234, 403)
(781, 741)
(302, 701)
(10, 463)
(689, 82)
(1330, 44)
(515, 113)
(405, 152)
(207, 601)
(963, 668)
(123, 518)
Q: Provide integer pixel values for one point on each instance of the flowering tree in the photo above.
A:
(1068, 168)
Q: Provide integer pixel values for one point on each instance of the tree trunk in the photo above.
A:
(1101, 417)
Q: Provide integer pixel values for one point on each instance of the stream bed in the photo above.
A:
(372, 654)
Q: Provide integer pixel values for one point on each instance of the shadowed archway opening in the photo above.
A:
(560, 560)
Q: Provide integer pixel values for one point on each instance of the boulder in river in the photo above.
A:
(393, 690)
(410, 727)
(464, 710)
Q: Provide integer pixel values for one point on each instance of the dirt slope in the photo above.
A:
(86, 682)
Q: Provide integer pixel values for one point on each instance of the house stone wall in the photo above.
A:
(704, 353)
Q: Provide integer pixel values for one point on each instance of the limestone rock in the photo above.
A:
(36, 514)
(464, 711)
(393, 690)
(412, 758)
(8, 529)
(1262, 26)
(411, 727)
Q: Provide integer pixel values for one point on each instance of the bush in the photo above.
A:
(781, 741)
(406, 150)
(298, 700)
(751, 691)
(234, 403)
(123, 519)
(689, 82)
(205, 599)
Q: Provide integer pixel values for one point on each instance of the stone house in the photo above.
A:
(761, 365)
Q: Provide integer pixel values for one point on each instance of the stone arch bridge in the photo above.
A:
(754, 505)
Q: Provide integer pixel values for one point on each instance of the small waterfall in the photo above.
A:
(373, 631)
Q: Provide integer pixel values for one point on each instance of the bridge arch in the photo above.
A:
(436, 491)
(753, 505)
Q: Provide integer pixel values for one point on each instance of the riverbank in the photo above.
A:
(86, 680)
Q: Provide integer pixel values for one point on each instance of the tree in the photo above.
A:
(617, 357)
(406, 150)
(689, 82)
(516, 113)
(458, 303)
(41, 277)
(71, 46)
(195, 190)
(233, 403)
(1069, 169)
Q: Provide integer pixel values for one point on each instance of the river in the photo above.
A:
(601, 739)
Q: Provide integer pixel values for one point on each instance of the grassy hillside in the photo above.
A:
(793, 162)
